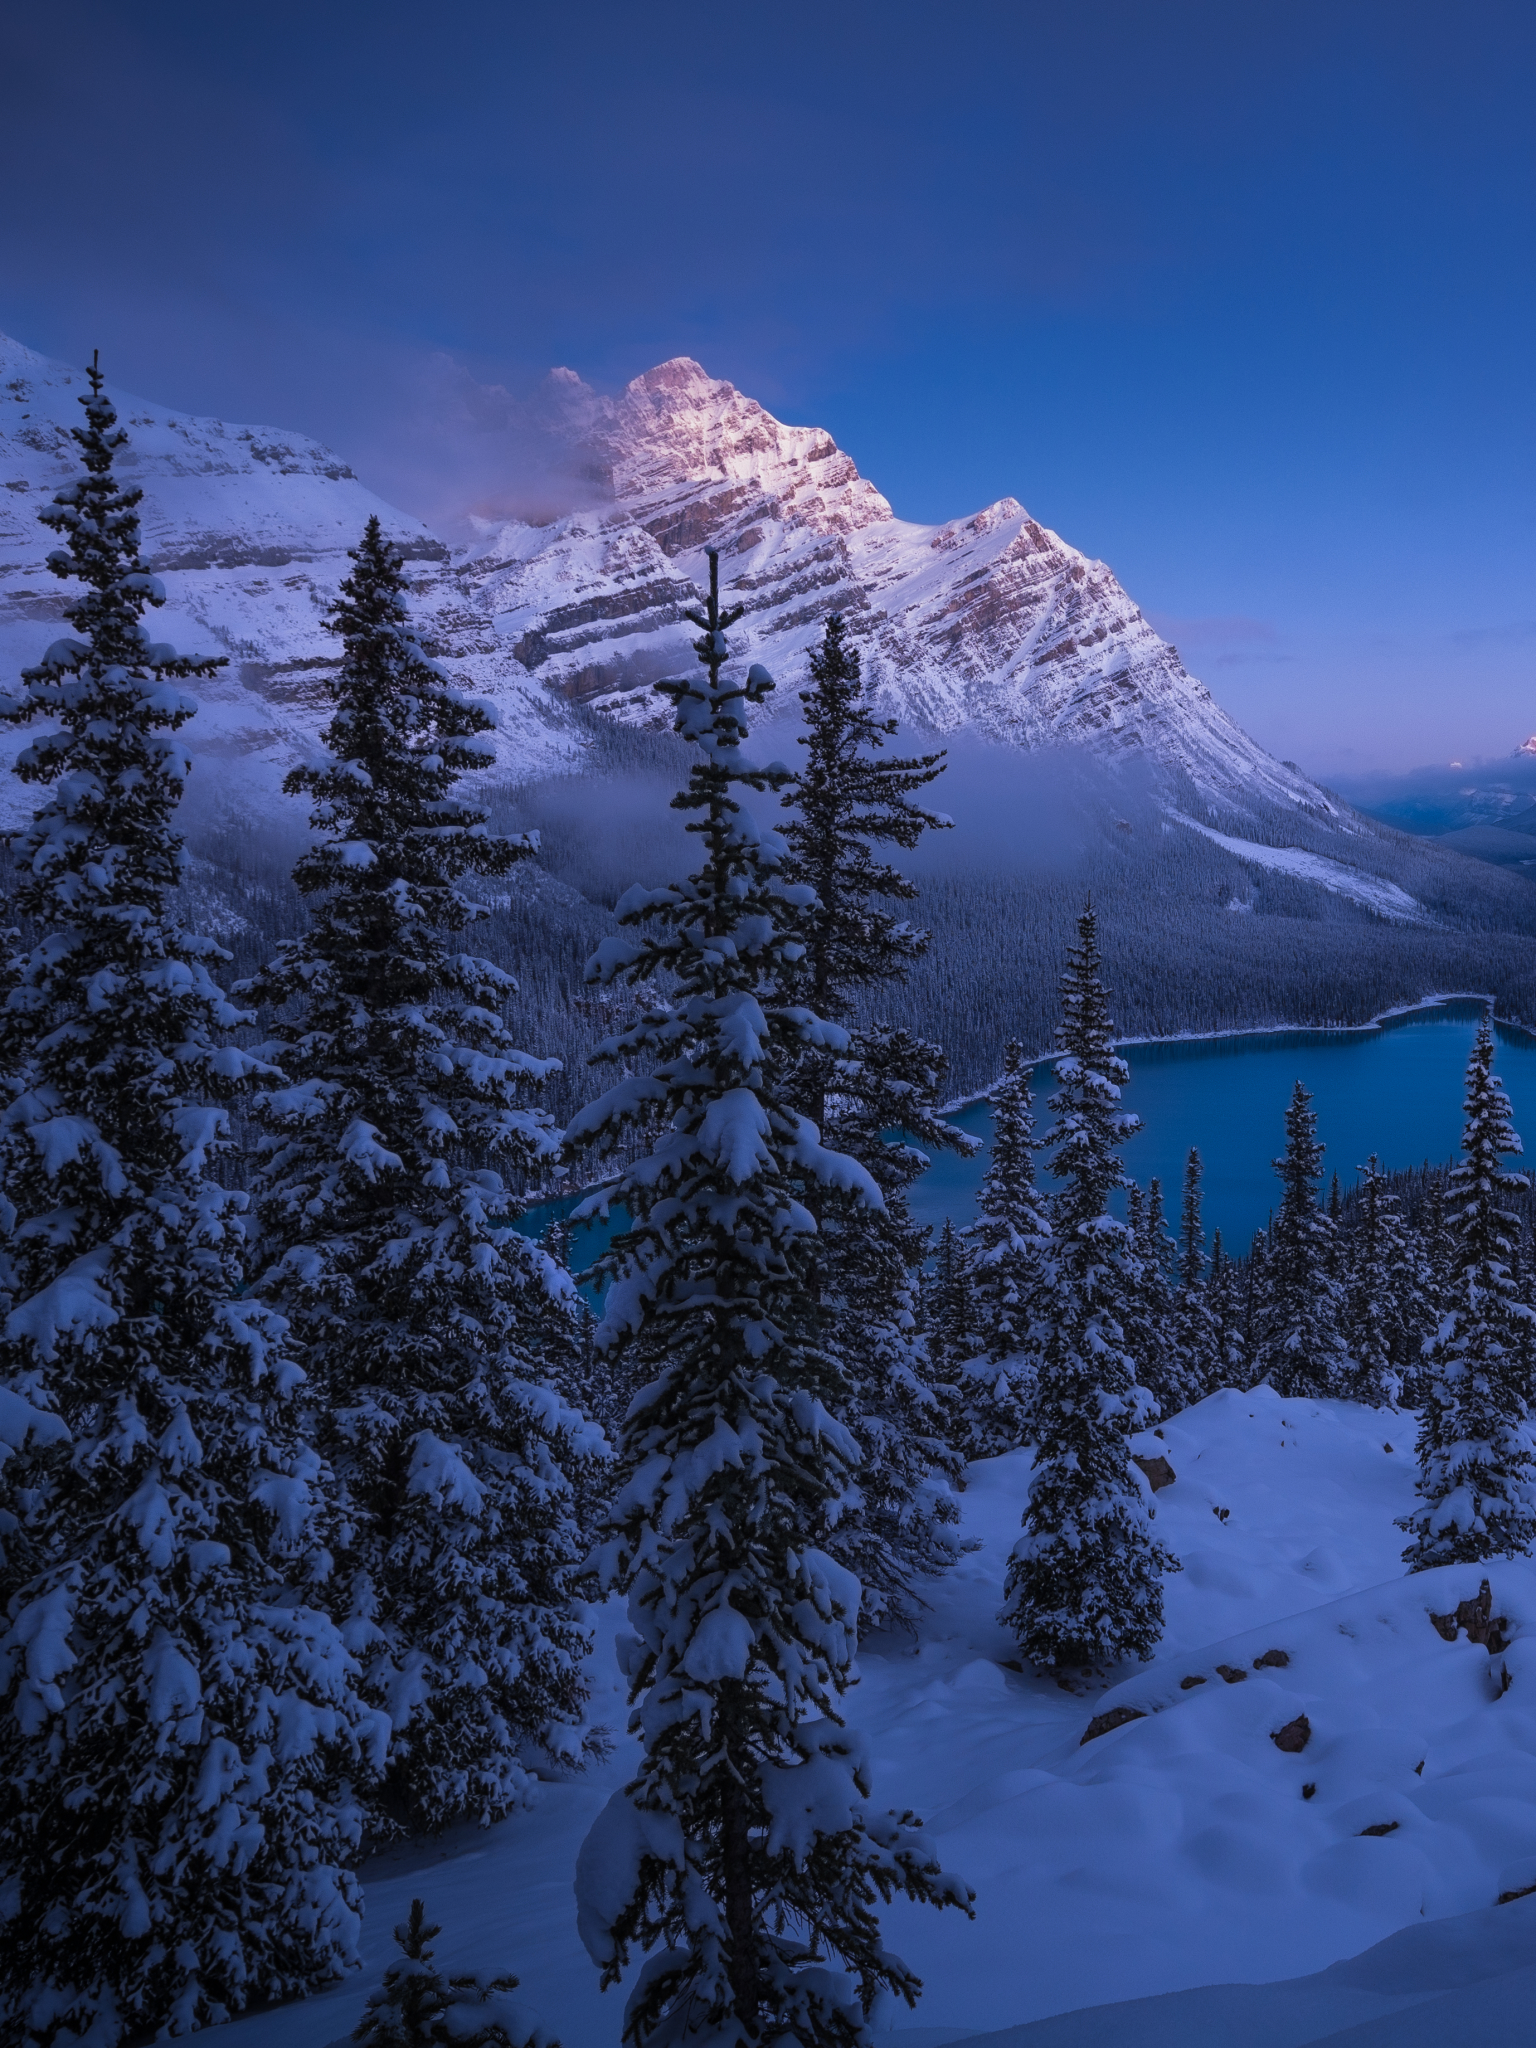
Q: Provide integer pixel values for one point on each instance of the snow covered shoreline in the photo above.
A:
(1399, 1013)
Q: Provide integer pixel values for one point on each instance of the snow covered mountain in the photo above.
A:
(248, 527)
(991, 622)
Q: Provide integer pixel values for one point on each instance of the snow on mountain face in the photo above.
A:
(991, 622)
(249, 530)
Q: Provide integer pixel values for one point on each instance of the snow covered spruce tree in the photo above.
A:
(1223, 1293)
(1084, 1583)
(1477, 1448)
(1010, 1241)
(1149, 1311)
(950, 1311)
(418, 2007)
(178, 1724)
(897, 1520)
(407, 1103)
(848, 800)
(875, 1100)
(1382, 1303)
(1197, 1349)
(1299, 1347)
(746, 1851)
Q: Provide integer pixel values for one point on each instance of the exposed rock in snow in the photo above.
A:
(1185, 1845)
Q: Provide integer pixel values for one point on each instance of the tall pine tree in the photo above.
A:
(1011, 1240)
(876, 1100)
(178, 1722)
(1382, 1302)
(1197, 1348)
(1477, 1448)
(1084, 1583)
(897, 1523)
(1299, 1348)
(746, 1850)
(386, 1156)
(849, 799)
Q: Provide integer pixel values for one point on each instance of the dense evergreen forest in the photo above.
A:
(1195, 939)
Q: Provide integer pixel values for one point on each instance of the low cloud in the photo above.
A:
(460, 451)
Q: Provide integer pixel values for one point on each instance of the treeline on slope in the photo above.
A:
(299, 1498)
(1367, 1272)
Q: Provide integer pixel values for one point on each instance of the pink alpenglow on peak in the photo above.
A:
(990, 621)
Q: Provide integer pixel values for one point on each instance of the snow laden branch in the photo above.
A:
(746, 1858)
(1477, 1446)
(1084, 1585)
(435, 1335)
(875, 1098)
(181, 1733)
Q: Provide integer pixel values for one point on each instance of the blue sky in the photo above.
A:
(1239, 298)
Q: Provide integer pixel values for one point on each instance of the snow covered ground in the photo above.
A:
(1182, 1848)
(1337, 876)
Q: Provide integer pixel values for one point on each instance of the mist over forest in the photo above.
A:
(1196, 939)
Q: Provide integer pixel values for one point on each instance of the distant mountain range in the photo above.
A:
(991, 623)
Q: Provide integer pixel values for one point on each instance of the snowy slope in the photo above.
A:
(1337, 877)
(248, 527)
(1434, 1985)
(1178, 1850)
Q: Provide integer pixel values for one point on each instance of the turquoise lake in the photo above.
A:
(1393, 1089)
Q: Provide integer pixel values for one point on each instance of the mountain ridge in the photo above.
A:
(989, 623)
(988, 620)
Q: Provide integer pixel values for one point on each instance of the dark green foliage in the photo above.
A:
(746, 1850)
(163, 1861)
(951, 1310)
(895, 1526)
(1009, 1244)
(1084, 1584)
(433, 1331)
(1199, 1360)
(847, 801)
(1298, 1346)
(1382, 1309)
(1477, 1456)
(418, 2007)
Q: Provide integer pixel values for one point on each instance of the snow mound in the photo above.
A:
(1467, 1979)
(1385, 898)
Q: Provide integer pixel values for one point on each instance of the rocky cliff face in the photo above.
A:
(991, 622)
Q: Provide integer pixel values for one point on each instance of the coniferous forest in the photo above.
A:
(314, 1468)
